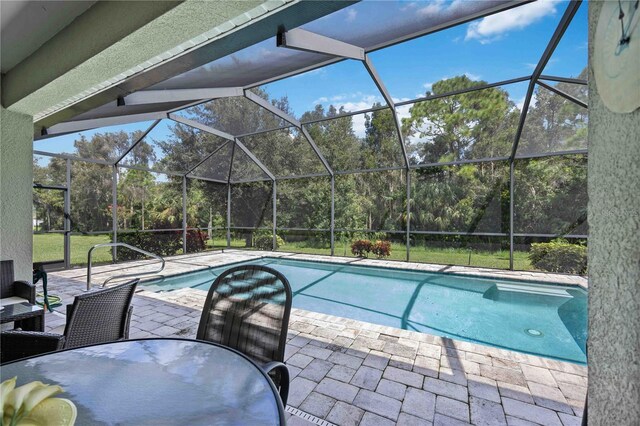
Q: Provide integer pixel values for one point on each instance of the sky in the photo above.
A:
(498, 47)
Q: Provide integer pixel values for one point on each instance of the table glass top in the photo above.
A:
(18, 309)
(155, 382)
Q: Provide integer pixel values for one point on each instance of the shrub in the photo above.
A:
(381, 249)
(559, 256)
(264, 241)
(196, 240)
(162, 243)
(361, 248)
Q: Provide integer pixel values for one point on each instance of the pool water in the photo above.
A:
(542, 319)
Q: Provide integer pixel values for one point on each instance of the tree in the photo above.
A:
(478, 124)
(472, 125)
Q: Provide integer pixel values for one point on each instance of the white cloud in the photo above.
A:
(493, 27)
(355, 101)
(403, 111)
(351, 15)
(427, 86)
(520, 103)
(471, 76)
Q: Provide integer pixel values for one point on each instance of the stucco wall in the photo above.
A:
(614, 258)
(16, 176)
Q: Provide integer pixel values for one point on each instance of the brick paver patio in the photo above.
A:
(348, 372)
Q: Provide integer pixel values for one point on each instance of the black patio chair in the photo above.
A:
(9, 287)
(247, 308)
(98, 317)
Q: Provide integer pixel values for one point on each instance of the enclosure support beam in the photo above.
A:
(67, 218)
(278, 112)
(332, 225)
(387, 97)
(275, 215)
(202, 127)
(511, 186)
(228, 215)
(233, 154)
(206, 157)
(133, 145)
(563, 94)
(254, 159)
(184, 215)
(544, 59)
(114, 211)
(260, 101)
(145, 97)
(316, 150)
(306, 41)
(408, 214)
(80, 125)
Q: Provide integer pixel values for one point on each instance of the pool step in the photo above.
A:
(538, 289)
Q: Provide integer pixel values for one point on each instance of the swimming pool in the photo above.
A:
(541, 319)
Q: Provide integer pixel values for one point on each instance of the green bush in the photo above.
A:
(162, 243)
(264, 241)
(559, 256)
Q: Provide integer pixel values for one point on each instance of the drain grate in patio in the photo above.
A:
(308, 417)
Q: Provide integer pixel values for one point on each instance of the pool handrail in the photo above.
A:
(130, 247)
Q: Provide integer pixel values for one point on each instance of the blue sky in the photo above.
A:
(498, 47)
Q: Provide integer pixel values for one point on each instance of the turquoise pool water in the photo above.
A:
(547, 320)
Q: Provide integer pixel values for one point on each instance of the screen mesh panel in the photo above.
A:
(217, 166)
(478, 251)
(346, 86)
(353, 24)
(49, 170)
(554, 123)
(172, 147)
(358, 142)
(105, 143)
(550, 195)
(456, 51)
(304, 203)
(148, 200)
(245, 168)
(371, 201)
(569, 59)
(285, 152)
(470, 198)
(236, 115)
(473, 125)
(206, 205)
(251, 204)
(91, 197)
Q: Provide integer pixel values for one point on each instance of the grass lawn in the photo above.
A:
(48, 247)
(420, 254)
(51, 247)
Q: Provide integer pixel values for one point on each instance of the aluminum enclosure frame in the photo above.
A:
(305, 40)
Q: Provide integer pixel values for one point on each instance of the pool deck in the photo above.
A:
(347, 372)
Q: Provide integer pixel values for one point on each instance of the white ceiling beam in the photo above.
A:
(307, 41)
(162, 96)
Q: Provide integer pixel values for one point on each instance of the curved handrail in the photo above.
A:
(130, 247)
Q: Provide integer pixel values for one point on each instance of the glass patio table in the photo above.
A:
(157, 382)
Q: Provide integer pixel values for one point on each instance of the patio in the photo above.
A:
(480, 138)
(349, 372)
